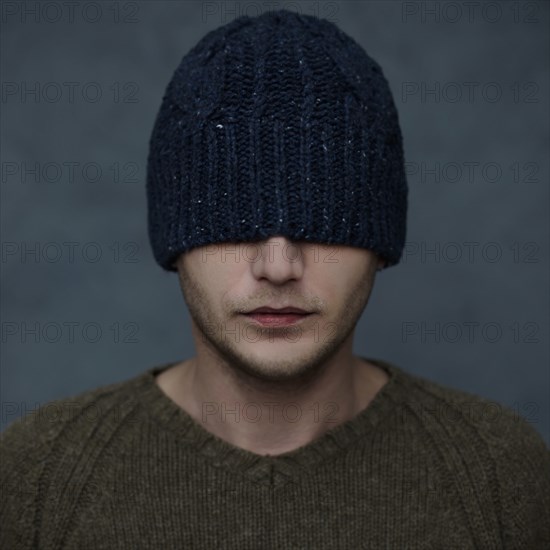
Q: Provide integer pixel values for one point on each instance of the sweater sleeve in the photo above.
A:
(523, 472)
(22, 456)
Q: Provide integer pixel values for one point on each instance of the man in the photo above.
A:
(276, 190)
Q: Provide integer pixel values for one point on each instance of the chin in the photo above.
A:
(284, 363)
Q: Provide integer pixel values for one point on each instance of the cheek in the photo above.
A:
(221, 279)
(342, 284)
(336, 277)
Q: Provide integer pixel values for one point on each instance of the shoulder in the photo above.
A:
(501, 450)
(498, 426)
(33, 447)
(41, 427)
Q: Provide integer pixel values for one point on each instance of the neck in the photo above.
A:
(272, 418)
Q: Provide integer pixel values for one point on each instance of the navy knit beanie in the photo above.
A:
(279, 124)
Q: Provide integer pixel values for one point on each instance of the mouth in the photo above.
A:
(272, 317)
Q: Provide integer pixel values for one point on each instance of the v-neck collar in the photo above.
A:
(270, 470)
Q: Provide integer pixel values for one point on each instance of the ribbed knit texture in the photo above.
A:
(279, 124)
(421, 467)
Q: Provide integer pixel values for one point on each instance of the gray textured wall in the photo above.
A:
(471, 84)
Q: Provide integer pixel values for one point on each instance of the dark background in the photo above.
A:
(83, 302)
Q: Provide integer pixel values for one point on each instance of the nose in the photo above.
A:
(278, 260)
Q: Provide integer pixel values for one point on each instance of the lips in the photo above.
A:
(272, 310)
(277, 317)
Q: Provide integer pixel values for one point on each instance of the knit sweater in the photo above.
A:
(423, 466)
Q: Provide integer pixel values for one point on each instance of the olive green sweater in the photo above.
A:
(423, 466)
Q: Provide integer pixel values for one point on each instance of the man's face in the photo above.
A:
(222, 282)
